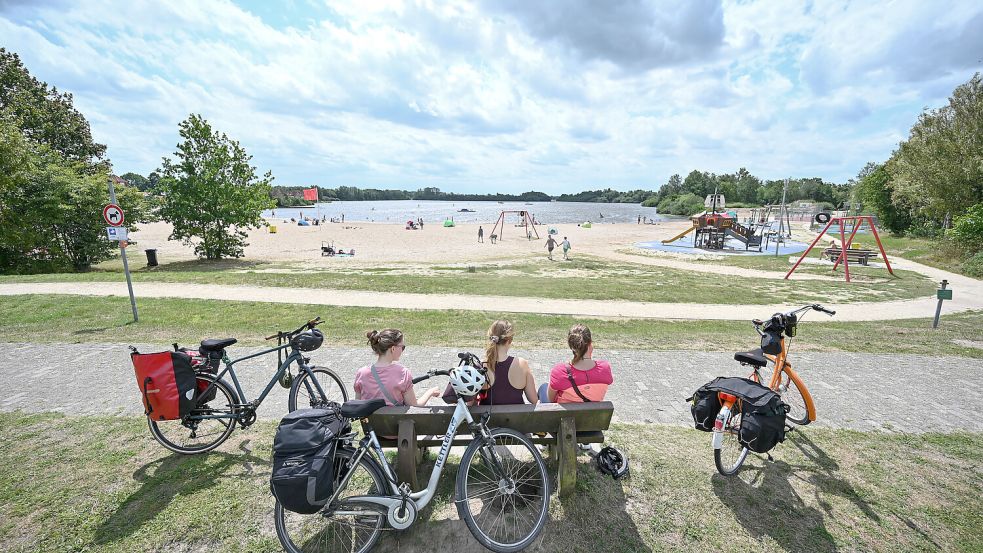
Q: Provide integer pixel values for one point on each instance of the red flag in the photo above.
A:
(310, 194)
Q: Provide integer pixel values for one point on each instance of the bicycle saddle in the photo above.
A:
(217, 344)
(754, 357)
(361, 408)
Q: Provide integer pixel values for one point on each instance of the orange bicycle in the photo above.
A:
(776, 339)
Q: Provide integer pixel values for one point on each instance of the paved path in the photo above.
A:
(910, 393)
(868, 311)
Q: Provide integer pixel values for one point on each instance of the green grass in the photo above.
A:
(64, 318)
(583, 277)
(101, 484)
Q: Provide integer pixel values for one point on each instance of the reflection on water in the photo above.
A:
(435, 212)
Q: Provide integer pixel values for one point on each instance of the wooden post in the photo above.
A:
(566, 441)
(406, 453)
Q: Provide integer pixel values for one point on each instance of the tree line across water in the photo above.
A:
(53, 184)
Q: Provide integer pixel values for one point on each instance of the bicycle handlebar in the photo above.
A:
(430, 374)
(464, 356)
(308, 325)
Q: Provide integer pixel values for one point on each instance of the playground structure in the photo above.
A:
(712, 227)
(527, 222)
(846, 243)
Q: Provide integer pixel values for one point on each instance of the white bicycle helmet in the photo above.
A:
(466, 380)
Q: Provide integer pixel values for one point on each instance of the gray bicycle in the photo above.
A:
(502, 491)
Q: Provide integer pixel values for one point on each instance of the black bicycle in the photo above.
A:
(221, 406)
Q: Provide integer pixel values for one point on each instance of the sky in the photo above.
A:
(505, 95)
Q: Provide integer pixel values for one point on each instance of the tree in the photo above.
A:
(46, 116)
(135, 179)
(874, 192)
(939, 169)
(211, 194)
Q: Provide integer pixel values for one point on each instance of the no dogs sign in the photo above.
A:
(113, 215)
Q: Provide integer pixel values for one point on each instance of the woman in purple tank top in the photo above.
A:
(509, 377)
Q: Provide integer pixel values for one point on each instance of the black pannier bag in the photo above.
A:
(303, 458)
(762, 412)
(208, 365)
(705, 407)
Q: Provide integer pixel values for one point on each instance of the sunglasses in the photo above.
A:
(402, 347)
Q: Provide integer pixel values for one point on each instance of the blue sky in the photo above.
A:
(506, 95)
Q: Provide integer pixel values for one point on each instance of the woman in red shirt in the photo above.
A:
(592, 377)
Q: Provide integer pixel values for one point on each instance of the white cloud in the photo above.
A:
(510, 96)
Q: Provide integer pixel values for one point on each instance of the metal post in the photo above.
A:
(126, 266)
(781, 218)
(938, 308)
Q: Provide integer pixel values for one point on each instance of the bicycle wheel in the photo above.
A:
(204, 428)
(793, 396)
(303, 392)
(503, 513)
(355, 531)
(731, 454)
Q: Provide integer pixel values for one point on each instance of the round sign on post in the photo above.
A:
(113, 215)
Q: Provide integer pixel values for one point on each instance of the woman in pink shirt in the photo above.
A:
(592, 377)
(387, 378)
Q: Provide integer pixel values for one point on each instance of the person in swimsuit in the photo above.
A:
(387, 378)
(509, 378)
(550, 244)
(592, 377)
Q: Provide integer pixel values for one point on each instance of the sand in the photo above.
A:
(382, 243)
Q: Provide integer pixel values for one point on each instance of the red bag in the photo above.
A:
(166, 382)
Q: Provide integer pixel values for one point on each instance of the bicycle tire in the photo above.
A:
(726, 466)
(793, 396)
(323, 537)
(222, 404)
(329, 382)
(531, 492)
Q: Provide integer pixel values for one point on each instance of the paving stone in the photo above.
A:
(851, 390)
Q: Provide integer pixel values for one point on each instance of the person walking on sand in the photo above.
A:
(481, 234)
(566, 248)
(550, 244)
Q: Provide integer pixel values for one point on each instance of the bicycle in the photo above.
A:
(729, 454)
(220, 407)
(502, 491)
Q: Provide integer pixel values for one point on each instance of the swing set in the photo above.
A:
(845, 243)
(527, 223)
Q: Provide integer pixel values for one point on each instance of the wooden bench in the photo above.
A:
(852, 255)
(568, 425)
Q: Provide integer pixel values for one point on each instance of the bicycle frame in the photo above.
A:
(293, 357)
(421, 498)
(782, 365)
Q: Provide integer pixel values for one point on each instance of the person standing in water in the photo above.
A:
(481, 234)
(550, 244)
(566, 248)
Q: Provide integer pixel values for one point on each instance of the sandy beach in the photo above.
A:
(376, 243)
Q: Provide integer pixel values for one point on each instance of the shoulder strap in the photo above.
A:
(575, 388)
(382, 388)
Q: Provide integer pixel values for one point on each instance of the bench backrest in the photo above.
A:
(542, 417)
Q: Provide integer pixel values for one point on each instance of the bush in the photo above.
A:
(974, 265)
(967, 229)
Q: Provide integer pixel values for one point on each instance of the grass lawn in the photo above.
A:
(100, 483)
(583, 277)
(94, 319)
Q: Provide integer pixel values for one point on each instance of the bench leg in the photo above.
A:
(406, 454)
(566, 444)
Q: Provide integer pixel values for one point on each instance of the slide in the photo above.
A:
(678, 236)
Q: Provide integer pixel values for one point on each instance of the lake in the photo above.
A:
(435, 212)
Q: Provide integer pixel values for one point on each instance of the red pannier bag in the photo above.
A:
(166, 382)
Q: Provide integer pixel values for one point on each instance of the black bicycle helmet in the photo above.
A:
(613, 462)
(308, 340)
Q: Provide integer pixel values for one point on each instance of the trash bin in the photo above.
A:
(151, 257)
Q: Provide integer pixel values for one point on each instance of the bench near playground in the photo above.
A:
(564, 425)
(852, 255)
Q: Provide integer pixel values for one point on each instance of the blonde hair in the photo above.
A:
(500, 332)
(382, 341)
(579, 340)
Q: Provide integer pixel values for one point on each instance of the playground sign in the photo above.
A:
(113, 215)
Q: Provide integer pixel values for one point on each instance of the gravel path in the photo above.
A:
(909, 393)
(964, 299)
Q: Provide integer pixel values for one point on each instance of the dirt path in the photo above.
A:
(969, 295)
